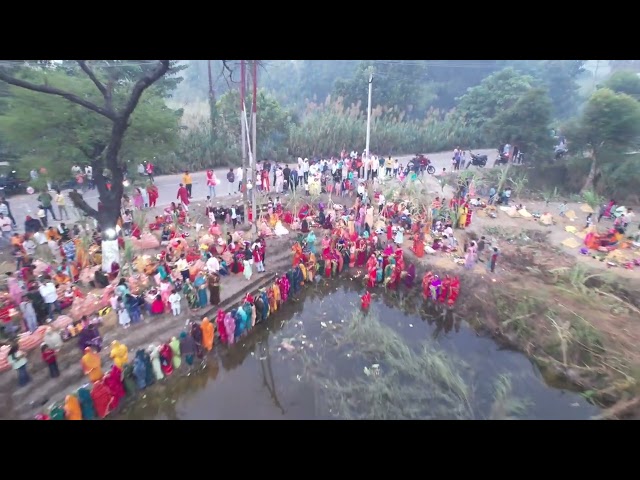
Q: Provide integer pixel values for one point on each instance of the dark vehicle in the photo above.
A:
(10, 184)
(502, 159)
(477, 160)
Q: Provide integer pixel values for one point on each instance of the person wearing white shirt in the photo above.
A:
(239, 173)
(305, 170)
(174, 301)
(40, 238)
(5, 224)
(213, 265)
(380, 203)
(29, 247)
(361, 191)
(183, 267)
(50, 296)
(375, 163)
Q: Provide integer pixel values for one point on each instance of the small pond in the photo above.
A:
(322, 357)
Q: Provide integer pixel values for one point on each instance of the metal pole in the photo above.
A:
(254, 117)
(243, 84)
(369, 113)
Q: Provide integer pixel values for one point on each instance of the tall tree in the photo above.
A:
(610, 122)
(625, 81)
(111, 102)
(525, 124)
(498, 92)
(397, 84)
(559, 77)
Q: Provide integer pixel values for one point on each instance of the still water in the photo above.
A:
(321, 357)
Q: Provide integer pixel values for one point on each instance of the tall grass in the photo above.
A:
(327, 129)
(323, 130)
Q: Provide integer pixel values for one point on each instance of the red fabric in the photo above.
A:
(183, 195)
(49, 356)
(426, 282)
(454, 291)
(166, 355)
(157, 307)
(103, 399)
(389, 233)
(365, 300)
(113, 380)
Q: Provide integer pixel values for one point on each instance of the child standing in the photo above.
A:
(174, 301)
(589, 221)
(123, 315)
(257, 258)
(563, 209)
(494, 259)
(49, 357)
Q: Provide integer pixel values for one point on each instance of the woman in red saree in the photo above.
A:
(372, 273)
(152, 191)
(166, 359)
(445, 289)
(352, 255)
(265, 181)
(361, 252)
(114, 381)
(418, 243)
(454, 291)
(426, 284)
(103, 399)
(326, 256)
(469, 215)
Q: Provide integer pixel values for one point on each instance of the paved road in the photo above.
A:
(23, 205)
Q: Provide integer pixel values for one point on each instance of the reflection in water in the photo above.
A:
(233, 385)
(265, 363)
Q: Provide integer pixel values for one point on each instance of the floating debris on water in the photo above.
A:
(323, 325)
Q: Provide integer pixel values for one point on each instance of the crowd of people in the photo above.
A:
(368, 235)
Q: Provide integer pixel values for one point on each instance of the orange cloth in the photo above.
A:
(207, 334)
(91, 365)
(72, 409)
(52, 234)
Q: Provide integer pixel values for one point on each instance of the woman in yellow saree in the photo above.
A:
(207, 334)
(81, 254)
(463, 216)
(72, 409)
(91, 365)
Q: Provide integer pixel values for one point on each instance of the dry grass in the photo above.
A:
(388, 379)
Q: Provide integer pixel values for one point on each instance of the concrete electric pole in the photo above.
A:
(369, 112)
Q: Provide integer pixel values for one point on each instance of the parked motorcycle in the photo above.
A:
(477, 160)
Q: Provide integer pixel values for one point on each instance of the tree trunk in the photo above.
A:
(589, 182)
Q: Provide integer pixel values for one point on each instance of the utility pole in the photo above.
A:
(254, 115)
(369, 112)
(243, 85)
(212, 99)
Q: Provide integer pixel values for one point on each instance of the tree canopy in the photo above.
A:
(498, 92)
(625, 81)
(608, 126)
(118, 92)
(51, 132)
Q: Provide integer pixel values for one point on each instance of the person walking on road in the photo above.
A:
(62, 204)
(5, 208)
(239, 178)
(183, 196)
(45, 200)
(231, 178)
(212, 181)
(186, 179)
